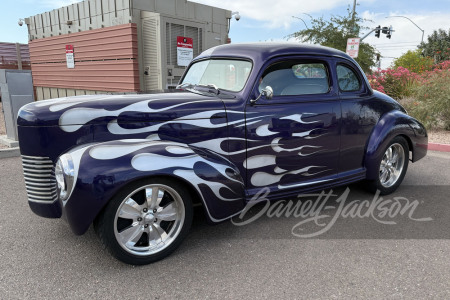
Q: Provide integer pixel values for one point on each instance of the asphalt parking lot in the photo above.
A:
(355, 258)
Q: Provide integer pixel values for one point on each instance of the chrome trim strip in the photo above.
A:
(33, 192)
(303, 184)
(36, 180)
(33, 185)
(40, 175)
(43, 201)
(35, 171)
(40, 198)
(36, 157)
(40, 187)
(33, 162)
(37, 167)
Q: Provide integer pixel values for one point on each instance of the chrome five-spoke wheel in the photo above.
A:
(391, 166)
(146, 220)
(149, 219)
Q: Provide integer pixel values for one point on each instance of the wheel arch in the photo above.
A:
(193, 193)
(390, 125)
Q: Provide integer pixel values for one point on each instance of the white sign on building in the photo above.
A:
(70, 60)
(185, 50)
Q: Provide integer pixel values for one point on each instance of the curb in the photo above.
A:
(12, 152)
(439, 147)
(8, 142)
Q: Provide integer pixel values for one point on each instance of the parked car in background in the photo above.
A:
(289, 117)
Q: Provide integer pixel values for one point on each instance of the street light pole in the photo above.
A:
(302, 21)
(423, 31)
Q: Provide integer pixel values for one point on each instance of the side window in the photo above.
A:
(290, 78)
(347, 79)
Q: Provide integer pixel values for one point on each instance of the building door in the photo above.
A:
(172, 70)
(151, 43)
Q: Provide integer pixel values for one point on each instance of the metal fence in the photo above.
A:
(14, 56)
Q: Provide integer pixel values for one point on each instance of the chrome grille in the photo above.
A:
(39, 174)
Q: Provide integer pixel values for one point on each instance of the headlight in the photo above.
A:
(64, 173)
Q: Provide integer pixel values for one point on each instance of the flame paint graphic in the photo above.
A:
(260, 179)
(180, 155)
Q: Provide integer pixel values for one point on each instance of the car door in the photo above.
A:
(293, 139)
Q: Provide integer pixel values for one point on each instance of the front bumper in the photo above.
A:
(46, 210)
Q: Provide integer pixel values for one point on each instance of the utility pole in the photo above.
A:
(19, 57)
(355, 29)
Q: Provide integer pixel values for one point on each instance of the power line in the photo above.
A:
(393, 44)
(396, 47)
(397, 43)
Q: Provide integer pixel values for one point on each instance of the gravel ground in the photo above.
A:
(441, 136)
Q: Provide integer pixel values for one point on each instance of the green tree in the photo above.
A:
(414, 61)
(437, 46)
(335, 32)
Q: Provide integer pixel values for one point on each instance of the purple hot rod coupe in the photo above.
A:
(291, 118)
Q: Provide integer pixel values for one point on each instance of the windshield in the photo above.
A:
(224, 74)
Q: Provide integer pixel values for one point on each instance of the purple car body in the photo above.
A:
(219, 143)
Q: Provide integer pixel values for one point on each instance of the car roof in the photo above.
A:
(265, 51)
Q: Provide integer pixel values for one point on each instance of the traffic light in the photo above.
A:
(377, 31)
(389, 34)
(385, 30)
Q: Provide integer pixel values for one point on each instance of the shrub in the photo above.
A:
(376, 81)
(425, 96)
(397, 83)
(414, 61)
(432, 100)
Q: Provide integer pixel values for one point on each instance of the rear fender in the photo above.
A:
(392, 124)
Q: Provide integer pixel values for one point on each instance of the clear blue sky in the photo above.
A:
(265, 20)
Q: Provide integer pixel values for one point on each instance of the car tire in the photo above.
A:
(145, 221)
(392, 167)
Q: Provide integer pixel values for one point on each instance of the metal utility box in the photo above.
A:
(119, 45)
(17, 90)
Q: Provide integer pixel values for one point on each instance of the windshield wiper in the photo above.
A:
(185, 86)
(211, 88)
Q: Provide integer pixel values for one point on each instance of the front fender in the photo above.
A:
(103, 169)
(389, 126)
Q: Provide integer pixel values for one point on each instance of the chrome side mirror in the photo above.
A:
(267, 92)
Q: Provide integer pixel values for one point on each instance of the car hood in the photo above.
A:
(71, 113)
